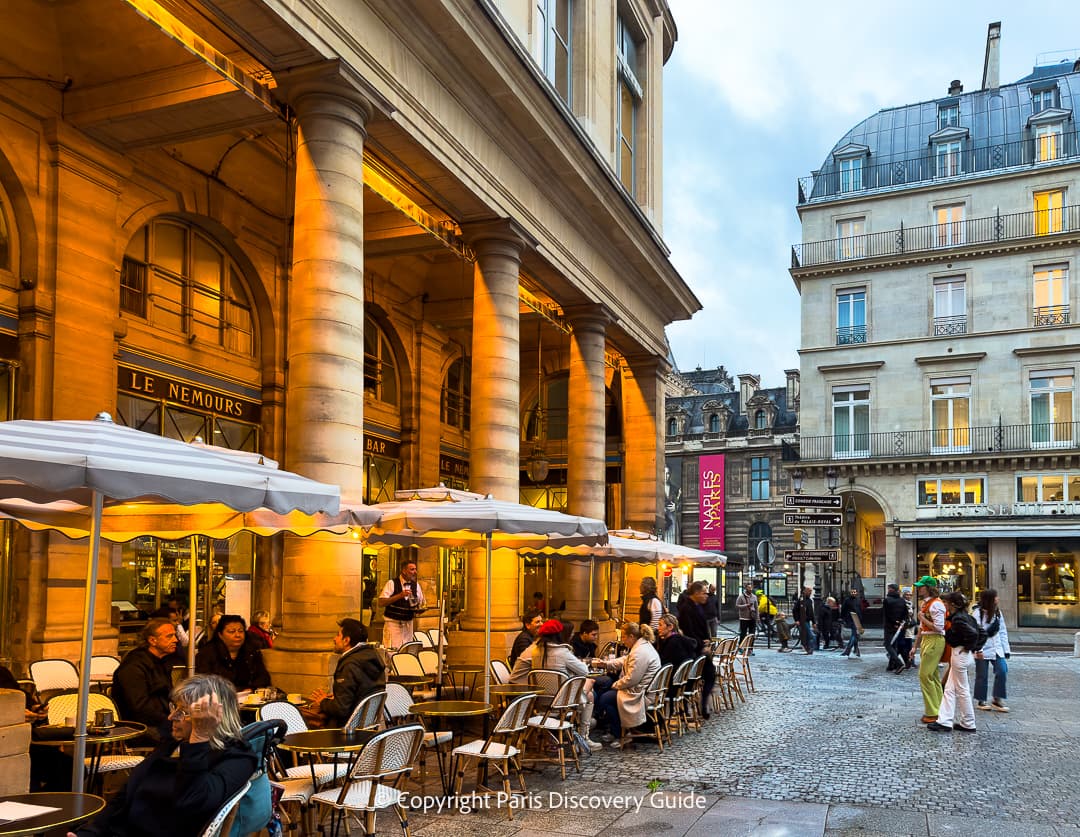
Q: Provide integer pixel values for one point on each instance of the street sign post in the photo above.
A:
(812, 556)
(811, 519)
(812, 501)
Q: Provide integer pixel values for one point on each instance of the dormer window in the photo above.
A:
(948, 115)
(1047, 130)
(850, 162)
(947, 160)
(714, 423)
(1043, 99)
(672, 427)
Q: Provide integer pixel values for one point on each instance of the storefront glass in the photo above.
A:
(956, 564)
(1046, 583)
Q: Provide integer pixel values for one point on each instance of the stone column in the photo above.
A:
(494, 461)
(324, 414)
(643, 465)
(586, 433)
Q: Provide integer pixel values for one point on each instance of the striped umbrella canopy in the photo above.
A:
(90, 463)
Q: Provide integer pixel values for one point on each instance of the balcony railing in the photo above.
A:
(929, 166)
(908, 444)
(946, 326)
(849, 335)
(974, 231)
(1050, 315)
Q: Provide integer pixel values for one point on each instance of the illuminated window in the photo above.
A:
(947, 157)
(456, 394)
(1052, 408)
(759, 478)
(1047, 141)
(553, 19)
(380, 370)
(1050, 295)
(630, 97)
(950, 225)
(1047, 488)
(950, 410)
(952, 491)
(851, 238)
(948, 116)
(180, 280)
(1049, 212)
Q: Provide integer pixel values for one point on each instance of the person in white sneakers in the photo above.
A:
(994, 653)
(962, 636)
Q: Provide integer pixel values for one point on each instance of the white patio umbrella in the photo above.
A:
(447, 517)
(89, 462)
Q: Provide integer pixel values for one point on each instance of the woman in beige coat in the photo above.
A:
(624, 704)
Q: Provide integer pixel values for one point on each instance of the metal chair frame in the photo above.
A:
(557, 722)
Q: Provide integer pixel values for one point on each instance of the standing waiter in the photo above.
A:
(402, 598)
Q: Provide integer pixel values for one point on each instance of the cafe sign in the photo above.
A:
(186, 393)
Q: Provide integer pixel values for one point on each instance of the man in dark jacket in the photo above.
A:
(693, 624)
(894, 615)
(143, 680)
(805, 615)
(824, 623)
(360, 672)
(530, 628)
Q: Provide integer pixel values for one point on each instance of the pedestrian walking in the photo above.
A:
(746, 606)
(906, 641)
(894, 617)
(804, 613)
(930, 641)
(712, 611)
(826, 616)
(849, 614)
(962, 636)
(994, 653)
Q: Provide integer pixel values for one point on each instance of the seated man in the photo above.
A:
(360, 672)
(143, 680)
(530, 629)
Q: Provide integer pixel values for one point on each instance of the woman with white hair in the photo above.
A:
(182, 784)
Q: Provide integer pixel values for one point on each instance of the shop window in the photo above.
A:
(380, 479)
(957, 564)
(174, 422)
(380, 369)
(1048, 488)
(180, 280)
(952, 491)
(1046, 589)
(457, 394)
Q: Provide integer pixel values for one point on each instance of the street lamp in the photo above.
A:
(850, 515)
(831, 479)
(797, 477)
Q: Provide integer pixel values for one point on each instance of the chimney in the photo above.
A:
(992, 61)
(955, 87)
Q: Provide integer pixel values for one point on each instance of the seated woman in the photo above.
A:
(674, 647)
(183, 783)
(624, 704)
(261, 631)
(232, 654)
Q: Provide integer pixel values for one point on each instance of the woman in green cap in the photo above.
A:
(930, 642)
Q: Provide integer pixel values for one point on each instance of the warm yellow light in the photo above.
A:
(1042, 566)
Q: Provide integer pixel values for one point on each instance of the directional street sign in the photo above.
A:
(812, 501)
(811, 556)
(795, 519)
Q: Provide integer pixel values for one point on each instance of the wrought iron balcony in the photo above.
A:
(946, 326)
(1050, 315)
(928, 166)
(974, 231)
(849, 335)
(914, 444)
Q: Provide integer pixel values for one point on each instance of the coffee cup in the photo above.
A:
(69, 721)
(296, 697)
(103, 719)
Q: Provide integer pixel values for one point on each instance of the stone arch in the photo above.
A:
(24, 234)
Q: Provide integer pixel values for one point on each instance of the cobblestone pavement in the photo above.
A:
(827, 745)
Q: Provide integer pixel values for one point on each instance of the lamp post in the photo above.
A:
(797, 477)
(850, 515)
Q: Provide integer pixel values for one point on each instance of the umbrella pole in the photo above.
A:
(592, 572)
(78, 766)
(438, 662)
(193, 584)
(487, 621)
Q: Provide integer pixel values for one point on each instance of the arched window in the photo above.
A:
(179, 279)
(714, 423)
(380, 371)
(672, 427)
(5, 235)
(456, 394)
(761, 420)
(548, 419)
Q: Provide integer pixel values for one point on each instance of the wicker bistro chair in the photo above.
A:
(111, 760)
(656, 704)
(102, 668)
(727, 684)
(678, 696)
(692, 693)
(396, 710)
(500, 671)
(557, 724)
(408, 665)
(53, 676)
(548, 680)
(368, 713)
(429, 664)
(374, 781)
(414, 647)
(222, 821)
(501, 750)
(423, 638)
(742, 658)
(330, 771)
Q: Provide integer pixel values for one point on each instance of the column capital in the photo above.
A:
(645, 362)
(593, 316)
(497, 234)
(303, 88)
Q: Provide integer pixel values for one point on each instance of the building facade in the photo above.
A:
(724, 448)
(939, 338)
(386, 244)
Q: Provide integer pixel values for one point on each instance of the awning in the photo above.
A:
(1034, 529)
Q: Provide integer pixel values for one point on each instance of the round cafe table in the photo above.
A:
(71, 809)
(97, 743)
(313, 743)
(452, 711)
(470, 674)
(507, 693)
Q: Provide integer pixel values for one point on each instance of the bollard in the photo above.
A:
(1076, 644)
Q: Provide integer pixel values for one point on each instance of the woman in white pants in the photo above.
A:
(962, 636)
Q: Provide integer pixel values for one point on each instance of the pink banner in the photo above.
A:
(711, 509)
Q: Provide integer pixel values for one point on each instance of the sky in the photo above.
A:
(756, 95)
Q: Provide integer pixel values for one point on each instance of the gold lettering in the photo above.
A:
(174, 391)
